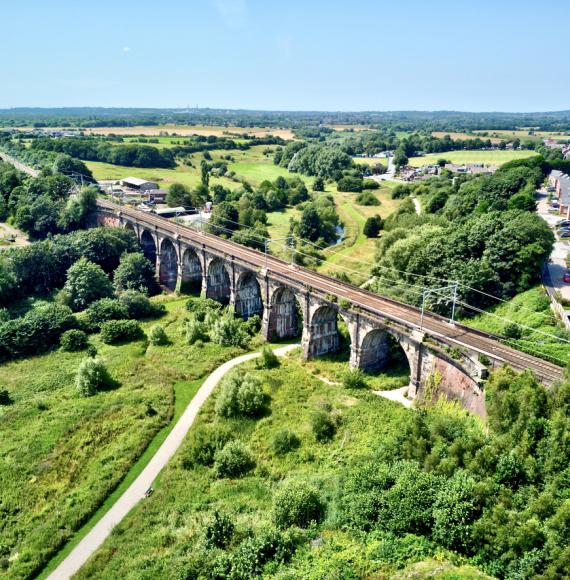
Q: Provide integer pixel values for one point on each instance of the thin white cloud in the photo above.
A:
(232, 12)
(126, 49)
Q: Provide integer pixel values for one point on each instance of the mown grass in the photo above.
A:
(61, 455)
(476, 156)
(156, 538)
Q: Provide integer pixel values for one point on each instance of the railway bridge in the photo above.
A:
(444, 359)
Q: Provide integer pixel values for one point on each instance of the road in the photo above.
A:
(7, 231)
(135, 492)
(557, 263)
(434, 325)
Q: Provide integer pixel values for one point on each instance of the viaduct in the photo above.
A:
(444, 359)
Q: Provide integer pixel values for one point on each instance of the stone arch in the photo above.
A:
(285, 318)
(218, 285)
(324, 337)
(374, 350)
(129, 226)
(191, 271)
(168, 272)
(148, 246)
(248, 296)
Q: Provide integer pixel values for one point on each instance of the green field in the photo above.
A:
(459, 157)
(50, 485)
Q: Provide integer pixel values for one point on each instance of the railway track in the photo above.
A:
(433, 324)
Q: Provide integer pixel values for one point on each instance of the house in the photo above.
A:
(138, 184)
(561, 183)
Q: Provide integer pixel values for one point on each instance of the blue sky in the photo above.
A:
(295, 55)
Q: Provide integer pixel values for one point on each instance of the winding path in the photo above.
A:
(135, 492)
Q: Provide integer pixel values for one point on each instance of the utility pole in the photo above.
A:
(449, 294)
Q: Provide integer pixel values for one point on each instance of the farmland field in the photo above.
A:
(459, 157)
(187, 130)
(523, 134)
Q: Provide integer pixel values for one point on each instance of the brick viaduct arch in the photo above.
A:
(289, 307)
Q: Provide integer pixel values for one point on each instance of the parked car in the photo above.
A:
(566, 277)
(563, 224)
(564, 234)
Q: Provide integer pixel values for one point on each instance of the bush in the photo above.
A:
(35, 332)
(372, 226)
(322, 425)
(252, 555)
(5, 398)
(157, 336)
(195, 331)
(116, 331)
(240, 395)
(284, 441)
(297, 504)
(512, 330)
(201, 306)
(267, 360)
(367, 198)
(203, 444)
(371, 184)
(139, 306)
(219, 531)
(73, 340)
(229, 331)
(102, 311)
(135, 272)
(354, 379)
(234, 460)
(350, 184)
(86, 282)
(92, 376)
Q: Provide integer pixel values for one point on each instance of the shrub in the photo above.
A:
(86, 282)
(73, 340)
(371, 184)
(203, 444)
(157, 336)
(35, 332)
(135, 272)
(92, 376)
(201, 306)
(229, 331)
(139, 306)
(297, 504)
(5, 398)
(267, 360)
(322, 425)
(102, 311)
(512, 330)
(284, 441)
(367, 198)
(219, 531)
(240, 395)
(251, 556)
(234, 460)
(354, 379)
(195, 331)
(350, 184)
(372, 226)
(115, 331)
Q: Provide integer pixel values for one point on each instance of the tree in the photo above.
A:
(204, 173)
(297, 504)
(224, 217)
(349, 183)
(310, 224)
(135, 272)
(73, 168)
(319, 184)
(178, 195)
(86, 282)
(400, 158)
(372, 226)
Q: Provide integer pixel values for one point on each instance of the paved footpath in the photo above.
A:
(135, 492)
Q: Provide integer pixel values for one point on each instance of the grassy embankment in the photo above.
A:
(61, 455)
(531, 309)
(165, 533)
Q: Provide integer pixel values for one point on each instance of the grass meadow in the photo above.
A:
(62, 455)
(160, 535)
(485, 157)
